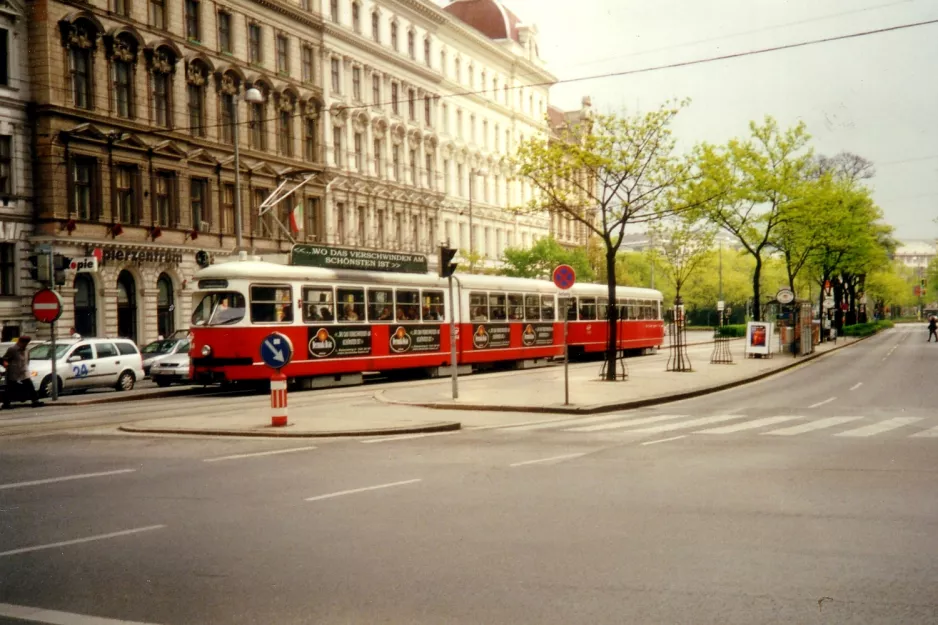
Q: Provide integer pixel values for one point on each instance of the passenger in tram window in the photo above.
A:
(413, 312)
(349, 314)
(327, 313)
(386, 314)
(478, 314)
(437, 312)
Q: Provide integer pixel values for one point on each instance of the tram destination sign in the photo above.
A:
(330, 257)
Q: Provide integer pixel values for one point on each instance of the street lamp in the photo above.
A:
(473, 173)
(251, 96)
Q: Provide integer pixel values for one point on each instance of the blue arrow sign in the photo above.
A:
(276, 350)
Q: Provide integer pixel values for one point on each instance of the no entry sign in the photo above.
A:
(47, 306)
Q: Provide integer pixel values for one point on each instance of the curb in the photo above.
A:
(112, 398)
(442, 426)
(627, 405)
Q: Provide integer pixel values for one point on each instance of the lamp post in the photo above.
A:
(251, 96)
(473, 173)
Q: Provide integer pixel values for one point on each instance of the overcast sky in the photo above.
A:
(876, 96)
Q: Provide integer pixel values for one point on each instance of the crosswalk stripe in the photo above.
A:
(746, 425)
(820, 424)
(932, 433)
(882, 426)
(546, 425)
(627, 423)
(670, 427)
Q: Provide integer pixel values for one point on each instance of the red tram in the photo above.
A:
(343, 323)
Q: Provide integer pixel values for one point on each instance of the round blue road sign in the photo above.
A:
(564, 277)
(276, 350)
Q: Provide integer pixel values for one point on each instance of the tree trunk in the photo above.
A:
(756, 291)
(612, 314)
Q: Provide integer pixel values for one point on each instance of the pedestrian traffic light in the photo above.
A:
(447, 266)
(40, 269)
(59, 265)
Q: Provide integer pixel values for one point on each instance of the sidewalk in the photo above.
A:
(542, 391)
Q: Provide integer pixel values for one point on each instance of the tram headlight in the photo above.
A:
(206, 350)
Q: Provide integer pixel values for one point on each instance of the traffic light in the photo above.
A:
(40, 269)
(447, 266)
(59, 265)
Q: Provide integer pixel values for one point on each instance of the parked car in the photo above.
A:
(158, 350)
(82, 364)
(173, 369)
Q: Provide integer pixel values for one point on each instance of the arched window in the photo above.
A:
(80, 38)
(165, 306)
(286, 113)
(228, 93)
(123, 56)
(394, 36)
(164, 63)
(85, 306)
(196, 79)
(258, 119)
(126, 306)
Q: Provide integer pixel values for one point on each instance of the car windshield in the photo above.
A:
(42, 352)
(218, 309)
(160, 347)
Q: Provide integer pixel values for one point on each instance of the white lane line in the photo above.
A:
(821, 403)
(746, 425)
(882, 426)
(932, 433)
(544, 425)
(664, 440)
(78, 541)
(272, 452)
(54, 617)
(406, 437)
(856, 386)
(670, 427)
(540, 460)
(361, 490)
(820, 424)
(628, 423)
(65, 478)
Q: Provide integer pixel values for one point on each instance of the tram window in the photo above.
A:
(515, 307)
(633, 310)
(317, 304)
(623, 309)
(433, 308)
(568, 304)
(587, 308)
(380, 306)
(532, 309)
(271, 304)
(650, 309)
(602, 308)
(351, 305)
(220, 308)
(407, 305)
(497, 307)
(479, 307)
(547, 307)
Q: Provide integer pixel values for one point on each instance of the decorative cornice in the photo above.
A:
(404, 62)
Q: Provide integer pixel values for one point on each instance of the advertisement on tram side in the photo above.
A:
(538, 334)
(491, 336)
(339, 341)
(412, 339)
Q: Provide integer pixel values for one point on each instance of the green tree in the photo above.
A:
(540, 260)
(680, 246)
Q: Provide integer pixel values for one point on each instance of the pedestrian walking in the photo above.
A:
(18, 385)
(932, 328)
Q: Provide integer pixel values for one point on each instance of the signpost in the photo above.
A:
(47, 308)
(329, 257)
(565, 277)
(277, 352)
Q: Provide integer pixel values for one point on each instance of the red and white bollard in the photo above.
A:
(278, 400)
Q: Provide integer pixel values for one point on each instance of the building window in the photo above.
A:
(227, 207)
(307, 61)
(162, 114)
(399, 230)
(334, 10)
(379, 228)
(227, 118)
(458, 68)
(411, 105)
(165, 208)
(224, 32)
(426, 111)
(426, 52)
(482, 81)
(472, 76)
(444, 113)
(485, 133)
(498, 141)
(310, 141)
(193, 24)
(356, 17)
(443, 62)
(265, 223)
(415, 232)
(84, 174)
(81, 74)
(376, 27)
(395, 103)
(413, 167)
(286, 131)
(459, 124)
(337, 145)
(357, 83)
(472, 128)
(254, 43)
(361, 225)
(196, 78)
(198, 200)
(428, 170)
(377, 148)
(394, 45)
(85, 305)
(359, 152)
(158, 14)
(125, 187)
(165, 309)
(396, 156)
(283, 54)
(122, 7)
(411, 51)
(460, 181)
(376, 90)
(123, 87)
(335, 75)
(258, 125)
(6, 164)
(446, 171)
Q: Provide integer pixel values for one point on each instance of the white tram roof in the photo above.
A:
(270, 272)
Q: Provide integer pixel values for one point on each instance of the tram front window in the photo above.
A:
(219, 309)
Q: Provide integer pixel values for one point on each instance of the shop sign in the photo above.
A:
(339, 341)
(84, 264)
(538, 334)
(410, 339)
(490, 336)
(141, 257)
(329, 257)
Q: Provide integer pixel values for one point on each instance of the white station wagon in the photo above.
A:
(82, 364)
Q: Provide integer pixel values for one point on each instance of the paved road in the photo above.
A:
(748, 506)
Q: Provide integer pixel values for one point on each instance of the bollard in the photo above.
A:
(278, 400)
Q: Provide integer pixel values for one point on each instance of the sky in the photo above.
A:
(876, 96)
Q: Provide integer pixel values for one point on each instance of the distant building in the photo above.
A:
(916, 253)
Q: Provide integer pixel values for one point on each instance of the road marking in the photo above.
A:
(820, 424)
(629, 423)
(361, 490)
(54, 617)
(821, 403)
(539, 461)
(856, 386)
(66, 478)
(882, 426)
(746, 425)
(664, 440)
(670, 427)
(78, 541)
(404, 437)
(933, 432)
(273, 452)
(543, 425)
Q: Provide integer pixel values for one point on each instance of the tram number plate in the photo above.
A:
(490, 336)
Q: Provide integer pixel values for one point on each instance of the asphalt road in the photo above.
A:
(806, 498)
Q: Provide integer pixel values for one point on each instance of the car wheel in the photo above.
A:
(162, 382)
(45, 389)
(126, 381)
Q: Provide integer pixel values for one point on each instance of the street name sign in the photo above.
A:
(276, 350)
(47, 306)
(329, 257)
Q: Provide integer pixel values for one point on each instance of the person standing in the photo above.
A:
(18, 385)
(932, 328)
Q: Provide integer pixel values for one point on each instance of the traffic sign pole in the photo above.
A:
(564, 277)
(452, 340)
(52, 358)
(277, 352)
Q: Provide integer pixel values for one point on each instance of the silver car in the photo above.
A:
(172, 369)
(158, 350)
